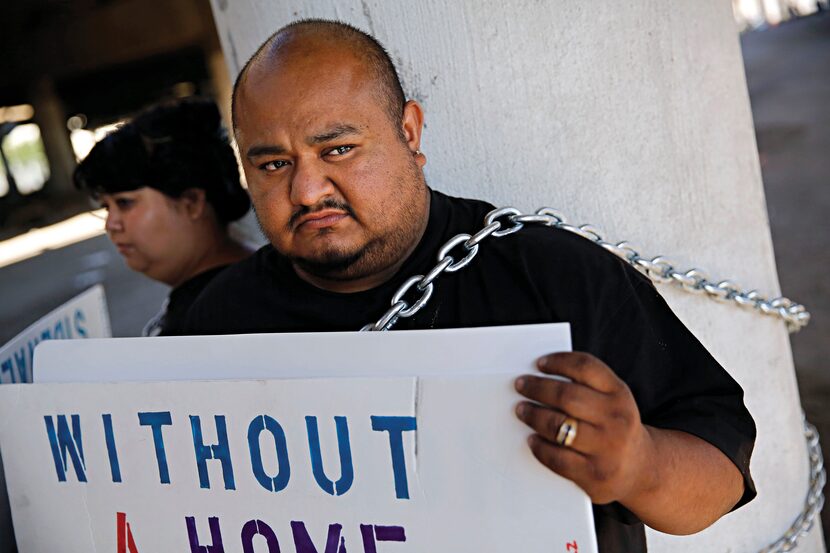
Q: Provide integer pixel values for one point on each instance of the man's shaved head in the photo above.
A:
(331, 153)
(288, 40)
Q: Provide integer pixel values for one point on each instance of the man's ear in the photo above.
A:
(194, 202)
(412, 124)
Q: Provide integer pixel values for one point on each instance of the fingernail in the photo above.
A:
(521, 383)
(542, 362)
(521, 410)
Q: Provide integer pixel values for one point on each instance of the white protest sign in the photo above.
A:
(497, 349)
(379, 463)
(436, 464)
(84, 316)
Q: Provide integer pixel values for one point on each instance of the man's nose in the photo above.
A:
(310, 183)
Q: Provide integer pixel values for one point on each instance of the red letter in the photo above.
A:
(125, 534)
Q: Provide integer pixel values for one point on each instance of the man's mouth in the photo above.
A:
(320, 219)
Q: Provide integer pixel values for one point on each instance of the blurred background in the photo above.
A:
(71, 70)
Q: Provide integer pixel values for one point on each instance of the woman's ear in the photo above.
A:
(194, 202)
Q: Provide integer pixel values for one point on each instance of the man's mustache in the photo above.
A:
(328, 203)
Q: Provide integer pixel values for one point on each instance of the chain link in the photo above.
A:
(507, 220)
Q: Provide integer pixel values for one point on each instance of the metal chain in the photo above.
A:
(803, 523)
(507, 220)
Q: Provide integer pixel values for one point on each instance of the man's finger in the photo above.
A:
(547, 423)
(564, 461)
(581, 367)
(577, 400)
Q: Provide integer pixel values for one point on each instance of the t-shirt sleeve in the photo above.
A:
(676, 382)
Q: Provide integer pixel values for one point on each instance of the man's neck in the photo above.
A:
(350, 286)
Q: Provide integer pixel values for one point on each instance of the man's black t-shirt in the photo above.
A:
(537, 275)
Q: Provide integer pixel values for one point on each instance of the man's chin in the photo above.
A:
(333, 265)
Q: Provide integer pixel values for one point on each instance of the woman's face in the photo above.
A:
(152, 231)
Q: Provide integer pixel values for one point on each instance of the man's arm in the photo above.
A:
(673, 481)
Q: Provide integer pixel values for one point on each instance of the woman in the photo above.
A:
(170, 184)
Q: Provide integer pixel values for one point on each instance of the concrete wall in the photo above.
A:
(633, 116)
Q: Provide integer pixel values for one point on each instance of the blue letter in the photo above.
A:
(64, 442)
(215, 536)
(32, 344)
(22, 363)
(302, 541)
(280, 481)
(80, 318)
(7, 366)
(59, 333)
(219, 451)
(396, 426)
(346, 469)
(254, 527)
(156, 421)
(115, 468)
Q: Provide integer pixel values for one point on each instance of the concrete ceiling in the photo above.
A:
(67, 40)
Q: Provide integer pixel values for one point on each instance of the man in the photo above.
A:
(650, 426)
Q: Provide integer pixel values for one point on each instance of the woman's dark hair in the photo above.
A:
(169, 147)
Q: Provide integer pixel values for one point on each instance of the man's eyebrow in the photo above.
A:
(338, 131)
(264, 150)
(333, 133)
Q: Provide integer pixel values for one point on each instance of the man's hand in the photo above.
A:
(673, 481)
(609, 456)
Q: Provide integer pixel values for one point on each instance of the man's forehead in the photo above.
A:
(303, 82)
(306, 116)
(316, 101)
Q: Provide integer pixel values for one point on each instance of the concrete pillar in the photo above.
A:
(221, 82)
(51, 118)
(631, 116)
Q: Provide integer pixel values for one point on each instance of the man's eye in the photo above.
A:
(340, 150)
(273, 165)
(124, 203)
